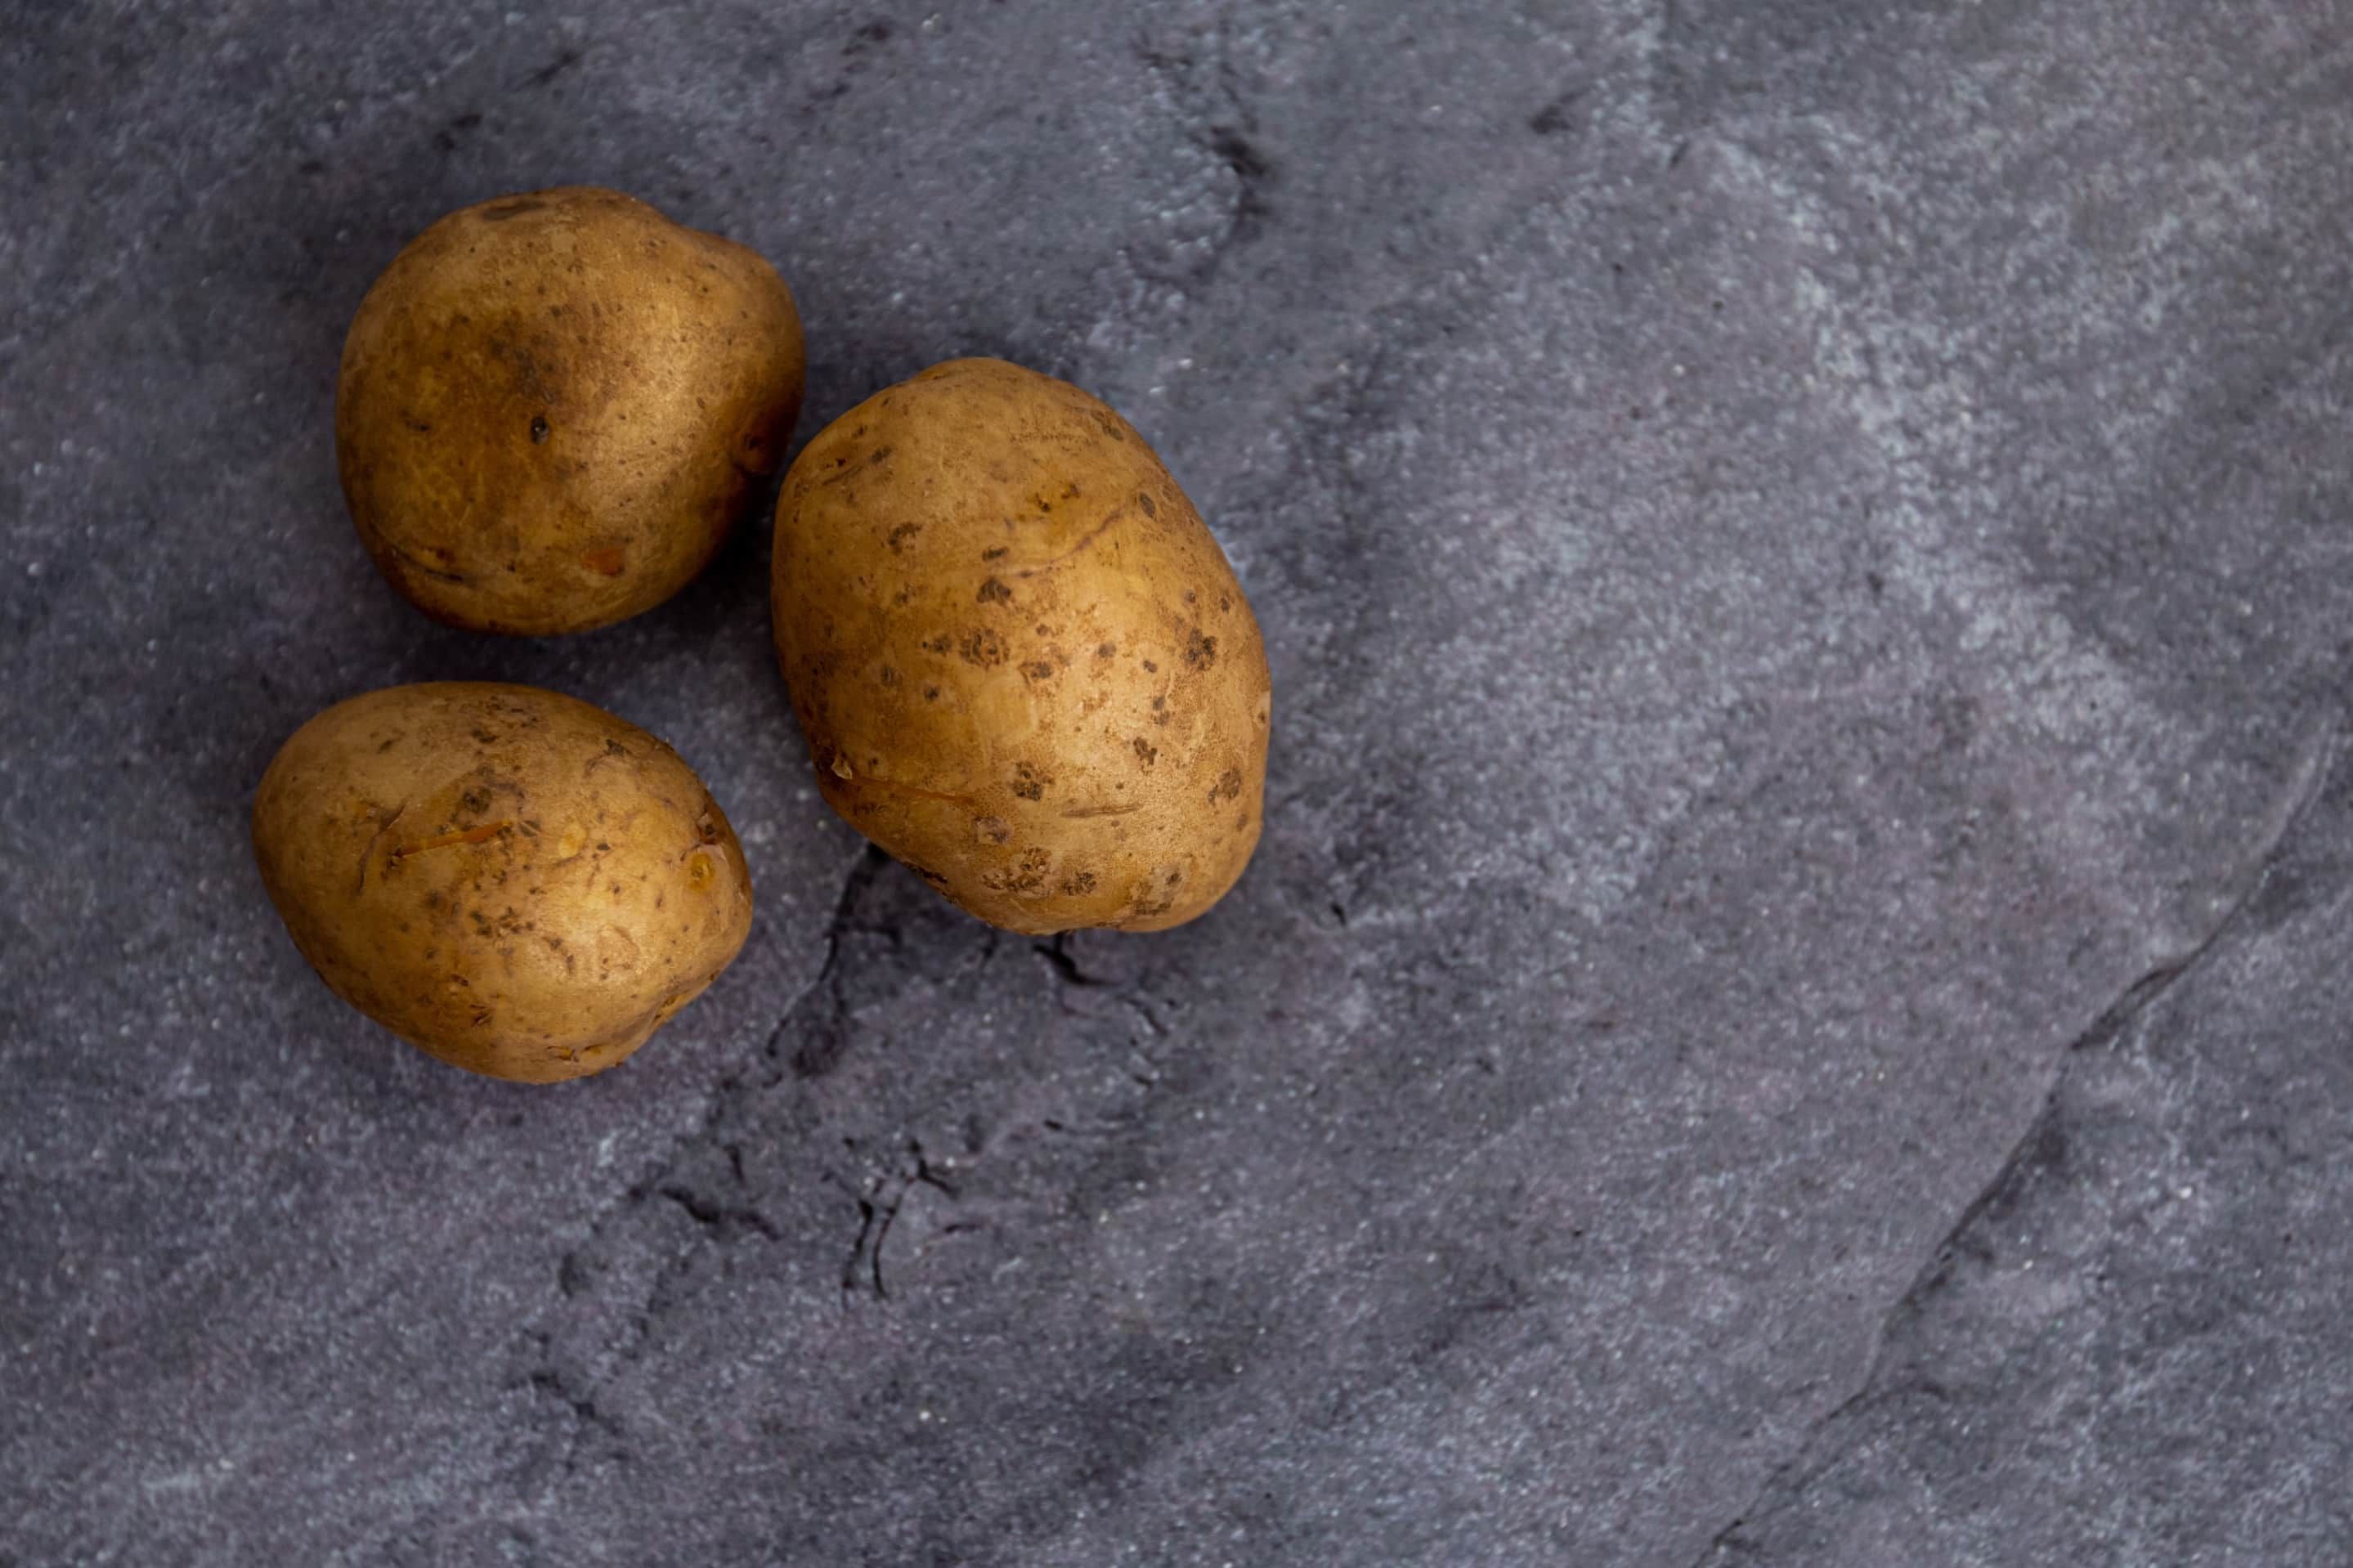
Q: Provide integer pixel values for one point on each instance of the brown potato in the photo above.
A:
(552, 407)
(520, 883)
(1021, 661)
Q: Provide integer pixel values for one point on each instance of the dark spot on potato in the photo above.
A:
(1190, 595)
(994, 592)
(939, 644)
(1150, 667)
(1079, 882)
(1228, 787)
(901, 535)
(887, 676)
(1108, 426)
(614, 748)
(538, 429)
(1200, 652)
(499, 212)
(609, 561)
(1151, 507)
(991, 830)
(1029, 783)
(476, 800)
(993, 551)
(1037, 669)
(1027, 878)
(1105, 650)
(983, 649)
(878, 457)
(1225, 602)
(1145, 751)
(485, 736)
(931, 694)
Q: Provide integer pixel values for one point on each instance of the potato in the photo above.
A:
(552, 407)
(1023, 665)
(520, 883)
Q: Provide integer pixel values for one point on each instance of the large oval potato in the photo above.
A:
(553, 406)
(1022, 663)
(519, 882)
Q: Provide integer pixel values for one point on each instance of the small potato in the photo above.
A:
(520, 883)
(1021, 661)
(552, 407)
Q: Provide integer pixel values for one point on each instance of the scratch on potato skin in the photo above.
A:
(487, 831)
(368, 855)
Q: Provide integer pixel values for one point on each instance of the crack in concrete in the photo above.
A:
(714, 1218)
(822, 1051)
(1208, 91)
(553, 1383)
(1131, 995)
(878, 1210)
(1789, 1479)
(722, 1220)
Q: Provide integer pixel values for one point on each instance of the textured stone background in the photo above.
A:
(1794, 1006)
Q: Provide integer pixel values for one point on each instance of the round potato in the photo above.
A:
(520, 883)
(1022, 663)
(553, 406)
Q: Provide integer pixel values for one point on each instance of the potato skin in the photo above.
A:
(520, 883)
(1021, 661)
(553, 406)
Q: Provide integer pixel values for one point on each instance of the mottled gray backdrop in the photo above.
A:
(1797, 1003)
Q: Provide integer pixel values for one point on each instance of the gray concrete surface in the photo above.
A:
(1793, 1008)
